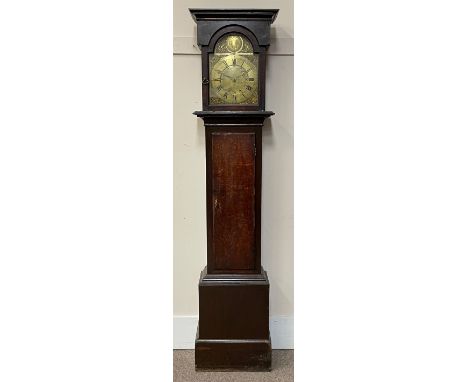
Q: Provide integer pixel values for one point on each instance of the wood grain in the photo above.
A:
(233, 199)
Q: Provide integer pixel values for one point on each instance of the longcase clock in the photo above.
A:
(233, 328)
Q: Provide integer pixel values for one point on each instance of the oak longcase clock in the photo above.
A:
(233, 328)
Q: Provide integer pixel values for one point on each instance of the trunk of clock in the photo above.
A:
(233, 329)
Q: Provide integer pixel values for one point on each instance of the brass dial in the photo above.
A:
(234, 72)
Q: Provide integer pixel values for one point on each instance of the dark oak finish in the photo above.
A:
(254, 24)
(233, 328)
(234, 308)
(232, 355)
(233, 199)
(236, 123)
(233, 331)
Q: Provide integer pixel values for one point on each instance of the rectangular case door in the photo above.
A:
(232, 201)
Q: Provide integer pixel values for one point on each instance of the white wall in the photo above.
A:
(189, 170)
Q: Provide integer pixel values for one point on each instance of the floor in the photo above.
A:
(282, 369)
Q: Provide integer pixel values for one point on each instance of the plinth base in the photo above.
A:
(233, 328)
(232, 355)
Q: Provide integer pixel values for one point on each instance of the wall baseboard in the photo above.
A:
(281, 331)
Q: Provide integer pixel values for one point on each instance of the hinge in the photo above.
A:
(255, 151)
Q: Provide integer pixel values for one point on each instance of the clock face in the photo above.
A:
(233, 72)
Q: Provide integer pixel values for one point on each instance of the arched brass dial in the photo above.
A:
(233, 72)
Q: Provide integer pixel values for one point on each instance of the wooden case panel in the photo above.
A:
(232, 355)
(237, 311)
(233, 200)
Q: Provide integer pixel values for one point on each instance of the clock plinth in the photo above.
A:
(233, 328)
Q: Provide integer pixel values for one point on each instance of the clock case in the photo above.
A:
(212, 24)
(233, 328)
